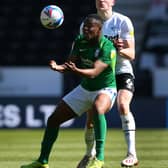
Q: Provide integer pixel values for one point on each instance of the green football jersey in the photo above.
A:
(104, 51)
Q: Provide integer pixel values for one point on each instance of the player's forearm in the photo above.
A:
(89, 73)
(128, 53)
(60, 68)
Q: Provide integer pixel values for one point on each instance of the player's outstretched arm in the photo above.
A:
(54, 66)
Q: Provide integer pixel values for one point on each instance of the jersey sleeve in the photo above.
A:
(127, 29)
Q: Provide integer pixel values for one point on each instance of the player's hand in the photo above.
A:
(118, 43)
(60, 68)
(53, 65)
(71, 66)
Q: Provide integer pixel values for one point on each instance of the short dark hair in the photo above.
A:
(95, 17)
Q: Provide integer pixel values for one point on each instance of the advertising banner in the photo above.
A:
(33, 113)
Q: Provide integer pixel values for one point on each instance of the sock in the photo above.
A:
(100, 127)
(49, 138)
(128, 125)
(90, 141)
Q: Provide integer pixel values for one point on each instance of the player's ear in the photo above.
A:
(113, 2)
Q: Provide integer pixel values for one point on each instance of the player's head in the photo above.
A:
(104, 5)
(92, 27)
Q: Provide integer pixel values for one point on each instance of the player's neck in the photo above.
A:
(105, 15)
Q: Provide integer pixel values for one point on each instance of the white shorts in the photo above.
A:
(81, 100)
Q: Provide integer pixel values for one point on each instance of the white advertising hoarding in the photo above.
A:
(160, 82)
(30, 82)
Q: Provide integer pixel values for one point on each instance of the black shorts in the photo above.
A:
(125, 81)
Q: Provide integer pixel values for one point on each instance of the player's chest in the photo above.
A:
(91, 53)
(89, 56)
(111, 30)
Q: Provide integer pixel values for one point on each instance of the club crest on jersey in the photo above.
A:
(97, 53)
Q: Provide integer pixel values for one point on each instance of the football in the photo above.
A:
(51, 17)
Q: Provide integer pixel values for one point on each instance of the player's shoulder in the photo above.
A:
(104, 42)
(121, 17)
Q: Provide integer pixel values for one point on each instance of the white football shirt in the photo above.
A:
(120, 26)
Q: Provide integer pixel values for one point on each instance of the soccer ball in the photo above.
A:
(51, 17)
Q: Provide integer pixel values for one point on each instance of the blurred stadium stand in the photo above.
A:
(25, 42)
(153, 53)
(155, 42)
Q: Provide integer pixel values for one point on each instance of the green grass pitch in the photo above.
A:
(19, 147)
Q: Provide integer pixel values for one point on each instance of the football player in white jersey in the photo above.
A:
(120, 30)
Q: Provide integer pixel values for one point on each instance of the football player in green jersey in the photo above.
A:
(97, 90)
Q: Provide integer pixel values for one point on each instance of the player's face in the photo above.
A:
(104, 5)
(91, 30)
